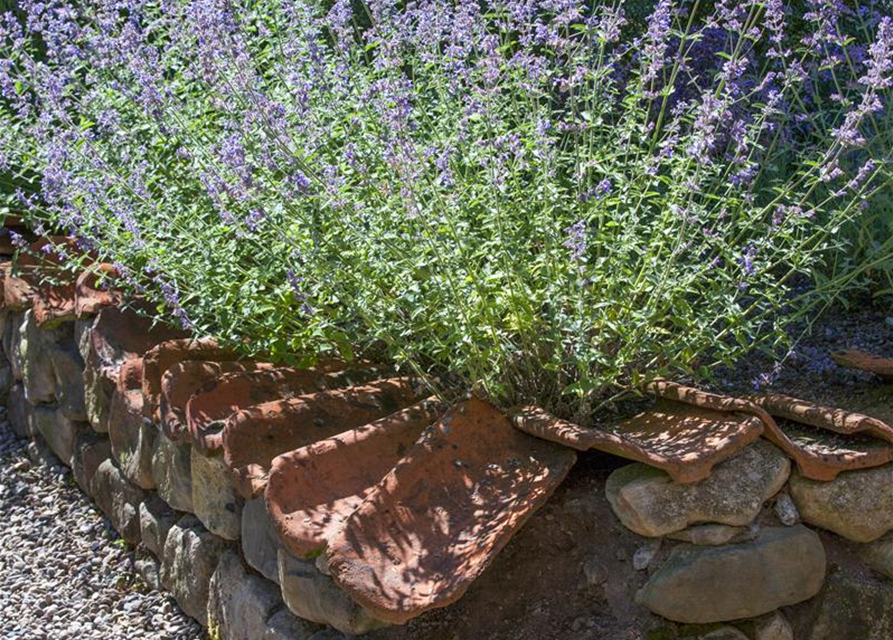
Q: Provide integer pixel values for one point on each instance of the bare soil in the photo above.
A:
(569, 575)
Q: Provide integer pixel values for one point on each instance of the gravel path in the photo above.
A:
(64, 572)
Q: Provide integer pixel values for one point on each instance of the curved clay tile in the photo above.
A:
(25, 278)
(253, 437)
(824, 441)
(163, 356)
(93, 290)
(685, 433)
(183, 379)
(443, 513)
(210, 406)
(312, 491)
(117, 335)
(853, 359)
(837, 420)
(53, 304)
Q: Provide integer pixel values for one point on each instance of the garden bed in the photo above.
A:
(591, 562)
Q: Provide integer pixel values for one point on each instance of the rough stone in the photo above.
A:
(214, 498)
(59, 432)
(99, 387)
(132, 436)
(191, 554)
(330, 634)
(12, 342)
(855, 609)
(713, 535)
(37, 365)
(6, 379)
(156, 520)
(239, 602)
(21, 413)
(119, 500)
(786, 510)
(647, 501)
(645, 554)
(313, 596)
(857, 505)
(724, 633)
(171, 467)
(284, 626)
(90, 451)
(879, 555)
(82, 329)
(68, 375)
(260, 542)
(772, 626)
(149, 569)
(784, 566)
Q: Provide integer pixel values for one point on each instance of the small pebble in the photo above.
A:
(62, 574)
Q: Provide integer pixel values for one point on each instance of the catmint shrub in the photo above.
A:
(548, 200)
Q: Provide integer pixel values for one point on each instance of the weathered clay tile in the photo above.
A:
(120, 334)
(163, 356)
(836, 420)
(441, 515)
(209, 407)
(312, 491)
(182, 380)
(93, 290)
(253, 437)
(685, 433)
(54, 304)
(854, 359)
(824, 441)
(24, 283)
(117, 335)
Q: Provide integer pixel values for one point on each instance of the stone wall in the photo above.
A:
(73, 384)
(230, 479)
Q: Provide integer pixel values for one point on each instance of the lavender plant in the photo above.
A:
(534, 196)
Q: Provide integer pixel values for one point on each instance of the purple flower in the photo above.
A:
(576, 240)
(656, 41)
(296, 283)
(255, 218)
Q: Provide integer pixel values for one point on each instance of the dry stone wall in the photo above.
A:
(274, 503)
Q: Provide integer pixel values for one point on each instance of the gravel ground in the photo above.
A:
(64, 572)
(808, 370)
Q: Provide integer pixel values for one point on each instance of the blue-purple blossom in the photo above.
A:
(576, 240)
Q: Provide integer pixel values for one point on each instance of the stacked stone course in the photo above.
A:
(280, 504)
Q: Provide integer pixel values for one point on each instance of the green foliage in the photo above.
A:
(520, 202)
